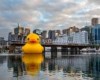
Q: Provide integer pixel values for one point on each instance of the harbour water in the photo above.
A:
(85, 66)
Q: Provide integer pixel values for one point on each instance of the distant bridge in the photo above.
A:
(65, 48)
(61, 45)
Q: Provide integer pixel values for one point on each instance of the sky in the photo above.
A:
(46, 14)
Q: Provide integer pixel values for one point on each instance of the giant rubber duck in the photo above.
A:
(32, 54)
(32, 44)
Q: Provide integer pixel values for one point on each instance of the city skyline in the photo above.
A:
(46, 14)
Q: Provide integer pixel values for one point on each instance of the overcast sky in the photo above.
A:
(46, 14)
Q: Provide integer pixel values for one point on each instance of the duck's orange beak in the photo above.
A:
(33, 41)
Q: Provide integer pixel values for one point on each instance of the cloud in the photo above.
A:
(94, 1)
(47, 14)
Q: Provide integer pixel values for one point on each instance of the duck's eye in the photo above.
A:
(27, 38)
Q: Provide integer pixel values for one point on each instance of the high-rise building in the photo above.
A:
(51, 34)
(44, 34)
(17, 36)
(96, 34)
(27, 31)
(64, 31)
(57, 33)
(89, 30)
(19, 30)
(70, 30)
(94, 21)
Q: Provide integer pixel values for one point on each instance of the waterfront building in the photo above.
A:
(94, 21)
(44, 34)
(96, 34)
(46, 41)
(51, 34)
(70, 30)
(74, 38)
(62, 39)
(3, 44)
(89, 30)
(19, 35)
(81, 37)
(11, 37)
(57, 33)
(14, 38)
(64, 31)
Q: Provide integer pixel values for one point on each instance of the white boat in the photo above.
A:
(88, 50)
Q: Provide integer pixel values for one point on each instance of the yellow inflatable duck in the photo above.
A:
(32, 44)
(32, 57)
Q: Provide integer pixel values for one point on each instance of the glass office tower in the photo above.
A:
(96, 34)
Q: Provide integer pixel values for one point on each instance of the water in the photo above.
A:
(71, 67)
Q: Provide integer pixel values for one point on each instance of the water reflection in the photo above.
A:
(32, 63)
(81, 67)
(94, 67)
(32, 68)
(2, 59)
(87, 66)
(15, 63)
